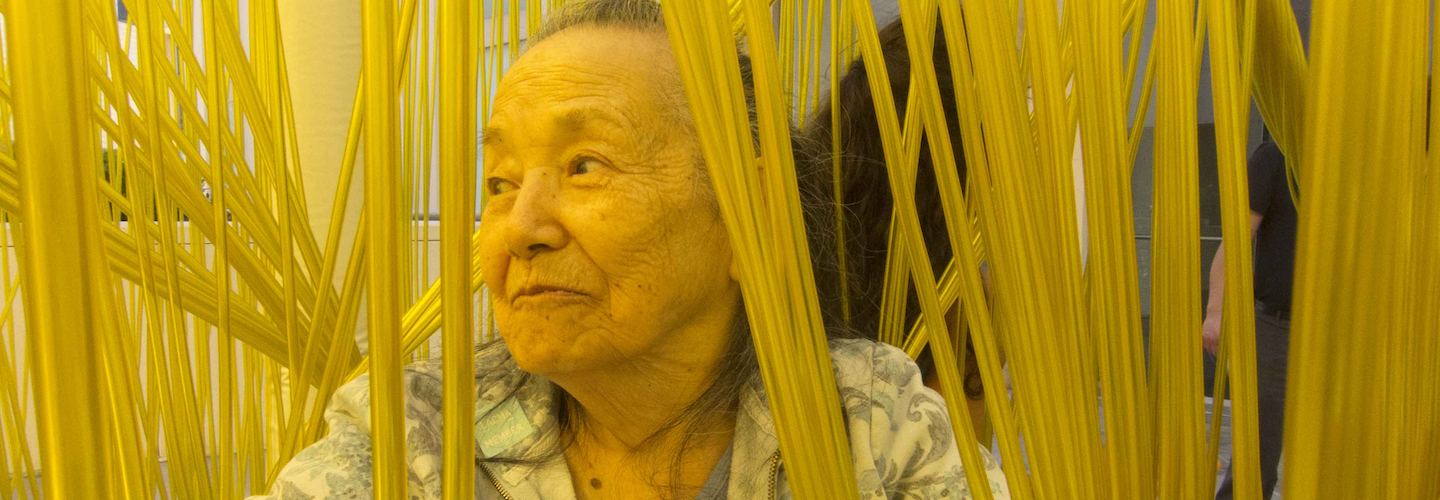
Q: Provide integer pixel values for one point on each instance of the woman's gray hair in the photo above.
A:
(638, 14)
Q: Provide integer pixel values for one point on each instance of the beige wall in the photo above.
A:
(322, 50)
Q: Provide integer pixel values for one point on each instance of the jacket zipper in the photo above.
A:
(498, 489)
(774, 472)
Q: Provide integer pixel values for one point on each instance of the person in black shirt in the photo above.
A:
(1273, 221)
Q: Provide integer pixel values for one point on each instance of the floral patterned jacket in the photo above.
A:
(899, 432)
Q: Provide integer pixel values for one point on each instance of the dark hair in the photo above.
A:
(738, 369)
(865, 188)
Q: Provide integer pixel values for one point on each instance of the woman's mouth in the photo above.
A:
(547, 292)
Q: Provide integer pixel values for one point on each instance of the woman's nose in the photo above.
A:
(533, 227)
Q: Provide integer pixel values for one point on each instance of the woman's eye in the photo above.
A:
(586, 165)
(500, 186)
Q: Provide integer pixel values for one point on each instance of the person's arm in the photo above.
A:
(1216, 303)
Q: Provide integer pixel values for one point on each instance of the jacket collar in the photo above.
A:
(755, 446)
(513, 418)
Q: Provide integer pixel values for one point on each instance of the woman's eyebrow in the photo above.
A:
(574, 120)
(491, 136)
(571, 122)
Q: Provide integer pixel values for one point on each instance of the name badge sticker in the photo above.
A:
(503, 427)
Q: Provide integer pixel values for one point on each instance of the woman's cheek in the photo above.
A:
(494, 263)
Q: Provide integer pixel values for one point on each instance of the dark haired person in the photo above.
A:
(866, 192)
(1273, 221)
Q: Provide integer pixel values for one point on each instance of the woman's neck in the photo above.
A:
(635, 419)
(670, 466)
(625, 405)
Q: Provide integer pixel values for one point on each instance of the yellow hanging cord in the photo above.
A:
(457, 222)
(386, 220)
(1231, 106)
(1176, 379)
(837, 30)
(63, 266)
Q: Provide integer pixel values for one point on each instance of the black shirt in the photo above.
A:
(1275, 239)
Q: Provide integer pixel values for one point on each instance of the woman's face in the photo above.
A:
(601, 240)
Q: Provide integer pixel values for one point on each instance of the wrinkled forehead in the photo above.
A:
(629, 72)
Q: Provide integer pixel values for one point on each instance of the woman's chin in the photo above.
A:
(551, 351)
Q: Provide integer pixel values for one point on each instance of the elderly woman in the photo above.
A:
(626, 369)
